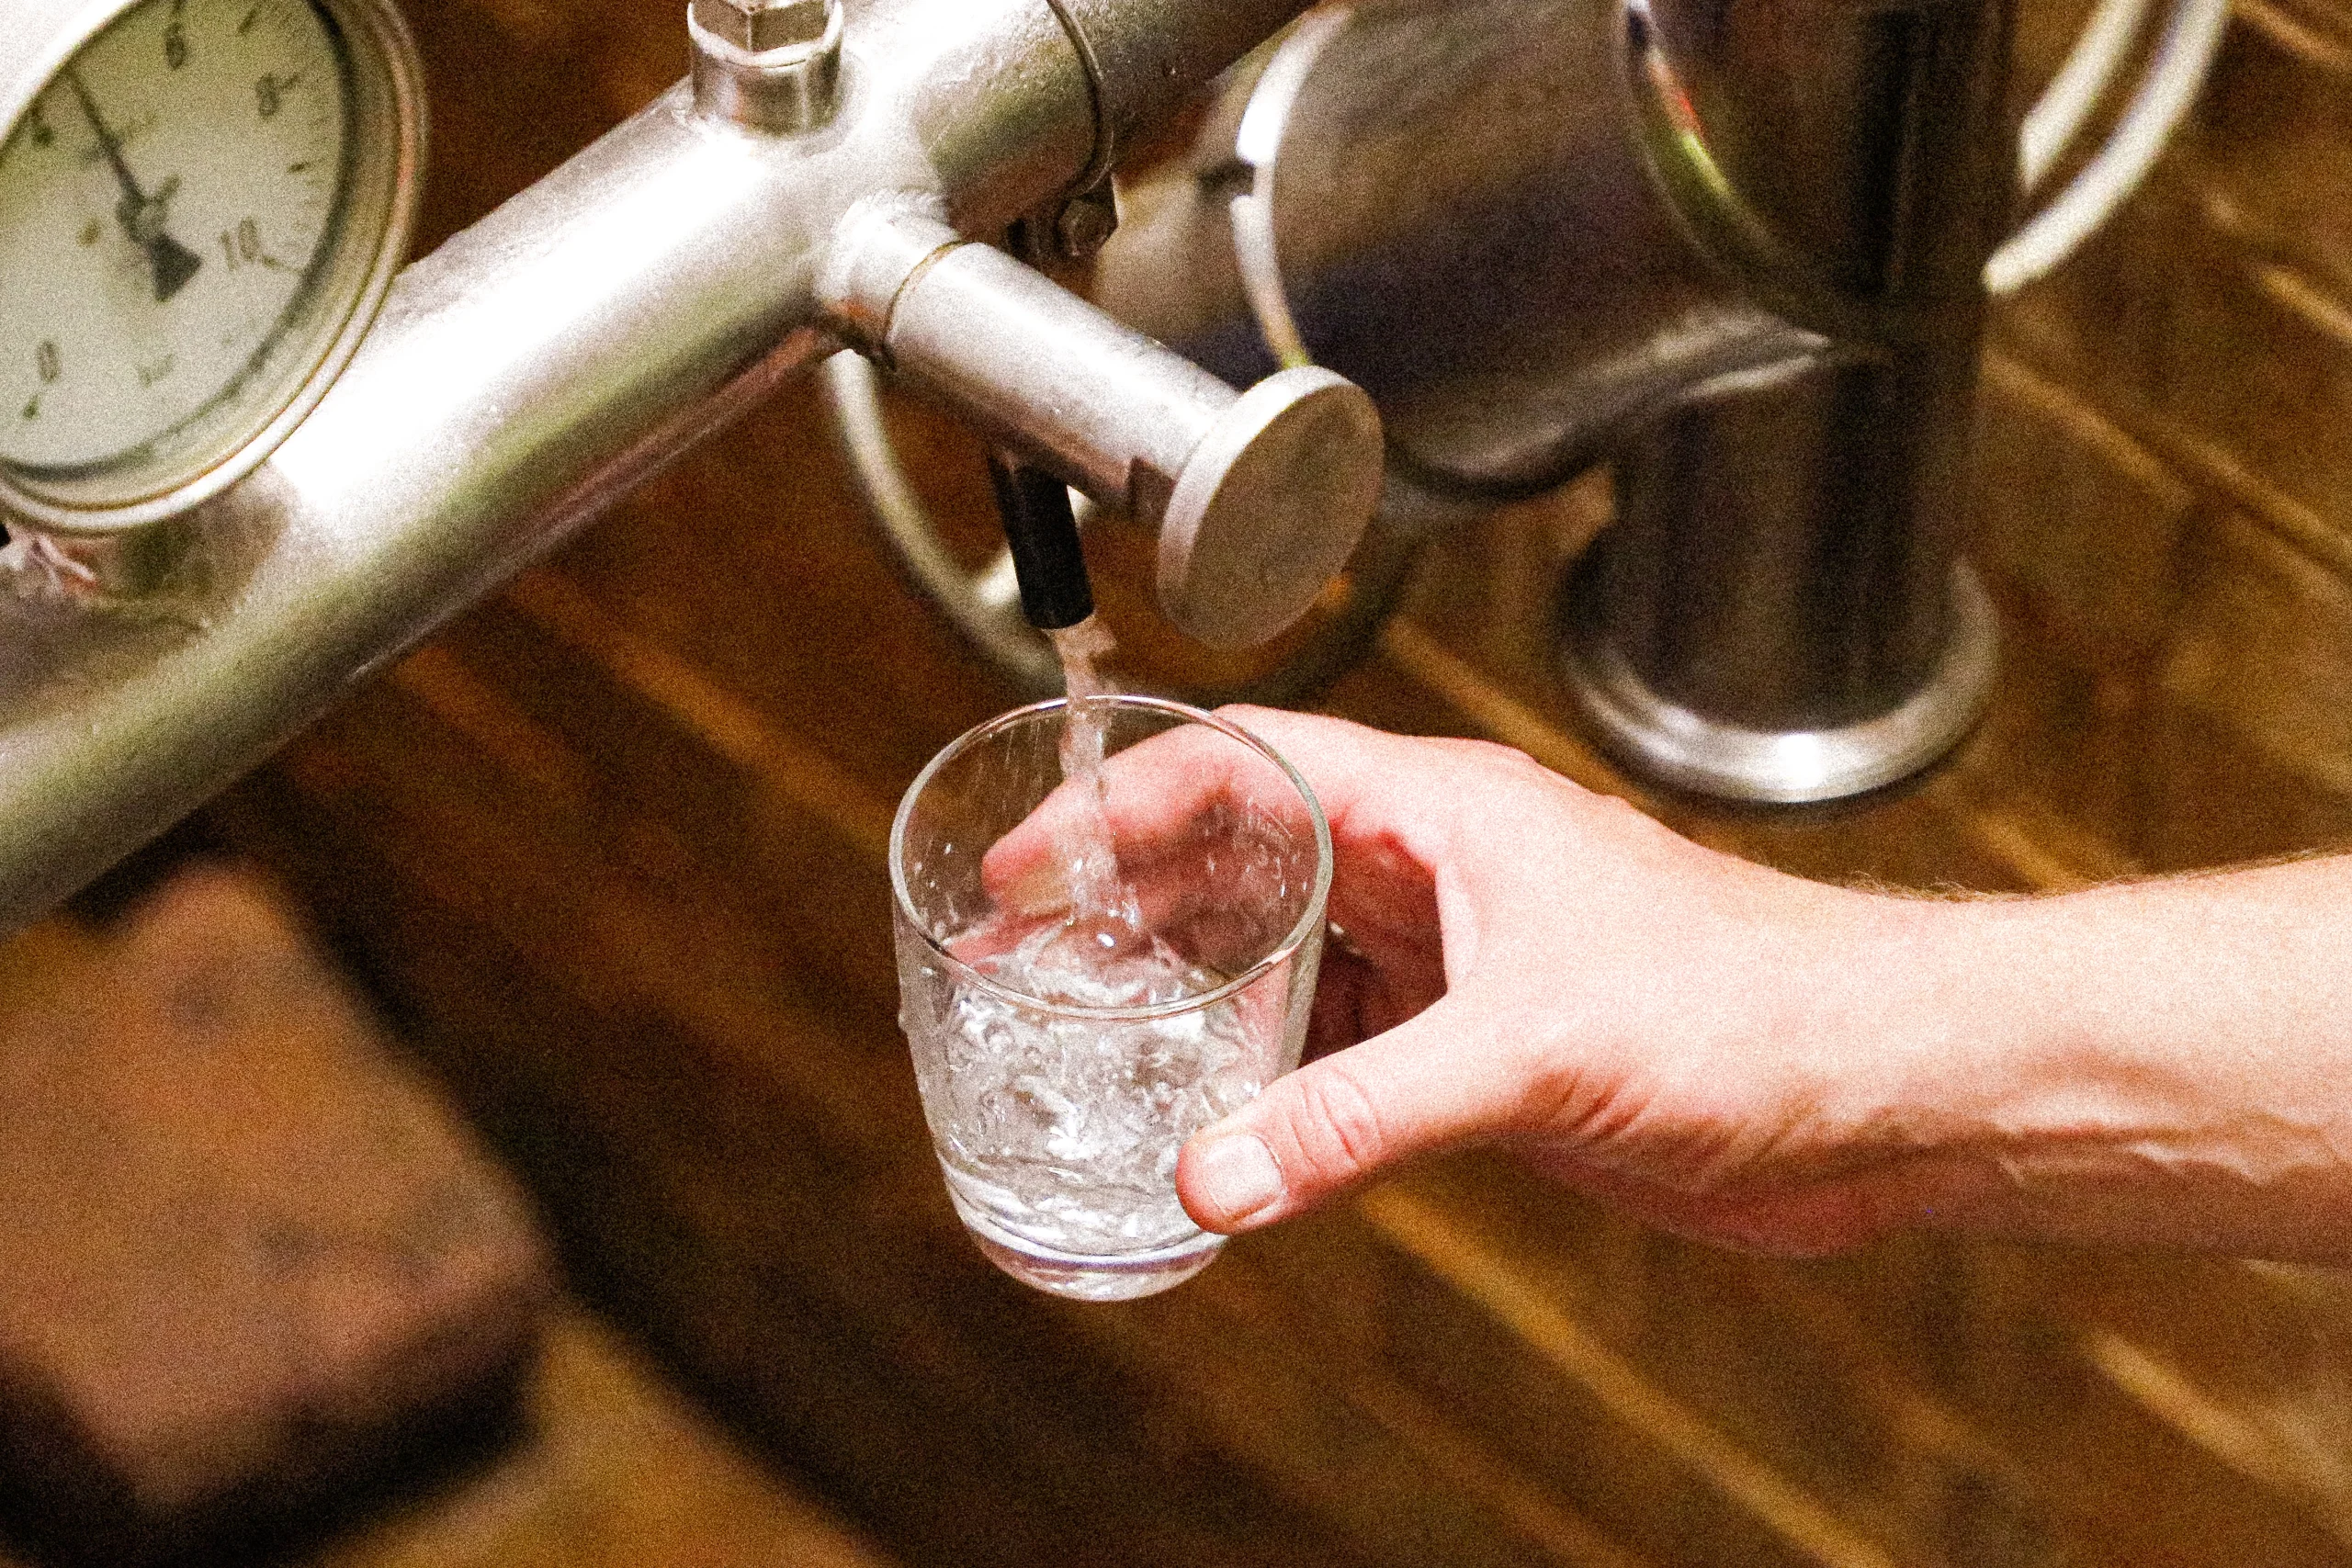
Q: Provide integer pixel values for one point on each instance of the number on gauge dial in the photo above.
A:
(165, 209)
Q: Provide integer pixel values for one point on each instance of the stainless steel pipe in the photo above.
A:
(1781, 612)
(520, 379)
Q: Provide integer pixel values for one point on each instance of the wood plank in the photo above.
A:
(615, 1470)
(1495, 1284)
(1937, 1395)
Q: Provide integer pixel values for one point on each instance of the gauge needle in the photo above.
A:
(142, 216)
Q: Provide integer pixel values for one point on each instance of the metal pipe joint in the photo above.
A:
(1259, 497)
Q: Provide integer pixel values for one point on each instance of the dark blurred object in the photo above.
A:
(246, 1258)
(1042, 535)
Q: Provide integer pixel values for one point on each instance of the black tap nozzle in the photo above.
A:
(1043, 533)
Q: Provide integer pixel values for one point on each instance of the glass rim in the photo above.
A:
(1309, 924)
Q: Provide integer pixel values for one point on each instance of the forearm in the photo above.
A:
(2166, 1062)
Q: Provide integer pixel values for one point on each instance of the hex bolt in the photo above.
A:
(770, 65)
(759, 26)
(1086, 223)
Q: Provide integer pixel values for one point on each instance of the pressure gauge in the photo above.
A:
(202, 203)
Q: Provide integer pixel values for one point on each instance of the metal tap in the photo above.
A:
(536, 367)
(1259, 497)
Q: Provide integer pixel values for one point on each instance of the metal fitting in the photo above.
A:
(1086, 222)
(1072, 229)
(1259, 497)
(758, 25)
(769, 64)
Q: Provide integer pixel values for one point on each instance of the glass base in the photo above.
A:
(1093, 1277)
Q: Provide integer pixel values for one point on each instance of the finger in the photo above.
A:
(1434, 1080)
(1157, 898)
(1151, 802)
(1391, 800)
(1376, 788)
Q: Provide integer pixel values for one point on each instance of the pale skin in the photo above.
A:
(1758, 1060)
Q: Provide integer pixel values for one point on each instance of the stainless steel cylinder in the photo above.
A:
(1785, 559)
(1031, 364)
(1735, 249)
(1462, 223)
(1777, 614)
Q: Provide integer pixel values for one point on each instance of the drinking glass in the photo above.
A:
(1091, 972)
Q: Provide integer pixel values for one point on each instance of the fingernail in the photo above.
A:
(1239, 1178)
(1040, 890)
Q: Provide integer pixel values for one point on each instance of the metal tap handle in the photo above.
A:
(982, 605)
(1260, 497)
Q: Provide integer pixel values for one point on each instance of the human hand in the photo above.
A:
(1686, 1034)
(1526, 961)
(1748, 1058)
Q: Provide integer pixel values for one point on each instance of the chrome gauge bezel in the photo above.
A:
(384, 163)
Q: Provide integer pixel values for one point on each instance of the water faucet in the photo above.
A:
(820, 180)
(1257, 497)
(1734, 249)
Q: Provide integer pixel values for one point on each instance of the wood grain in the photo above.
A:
(616, 1470)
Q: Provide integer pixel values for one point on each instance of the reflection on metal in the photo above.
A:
(119, 571)
(524, 376)
(1257, 145)
(1738, 252)
(1707, 755)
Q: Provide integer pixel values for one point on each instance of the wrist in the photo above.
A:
(1916, 1063)
(2137, 1064)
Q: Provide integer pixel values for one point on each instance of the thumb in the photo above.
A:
(1436, 1079)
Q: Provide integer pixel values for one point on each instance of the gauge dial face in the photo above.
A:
(177, 229)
